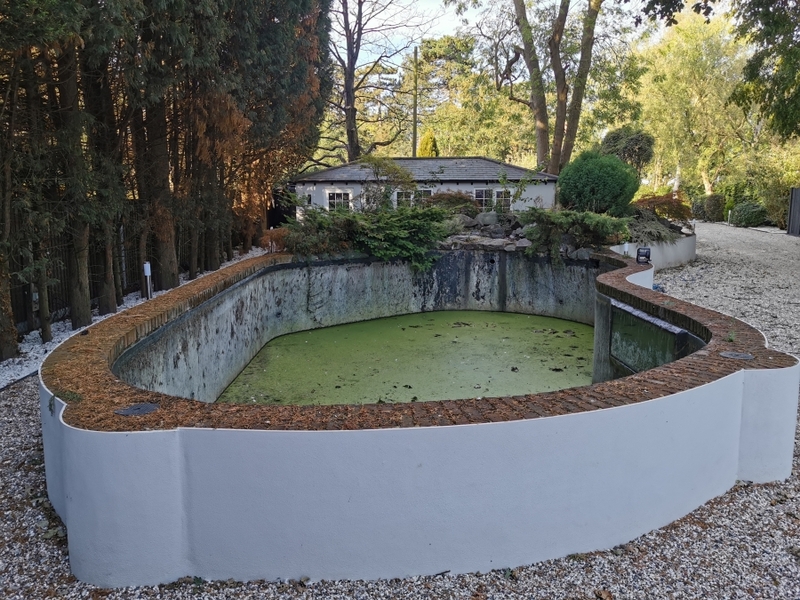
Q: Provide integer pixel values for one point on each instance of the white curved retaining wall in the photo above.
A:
(151, 507)
(663, 255)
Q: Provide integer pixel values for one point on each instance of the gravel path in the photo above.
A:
(745, 544)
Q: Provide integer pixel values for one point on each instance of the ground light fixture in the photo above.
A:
(643, 256)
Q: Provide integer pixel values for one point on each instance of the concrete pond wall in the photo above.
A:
(198, 355)
(391, 491)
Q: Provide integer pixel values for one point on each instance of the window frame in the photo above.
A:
(345, 201)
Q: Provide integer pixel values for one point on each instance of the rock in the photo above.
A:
(494, 231)
(581, 254)
(524, 243)
(510, 248)
(491, 244)
(486, 218)
(687, 231)
(466, 222)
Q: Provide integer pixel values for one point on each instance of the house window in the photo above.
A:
(485, 199)
(337, 200)
(503, 200)
(422, 194)
(405, 198)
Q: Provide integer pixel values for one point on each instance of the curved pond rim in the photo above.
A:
(84, 362)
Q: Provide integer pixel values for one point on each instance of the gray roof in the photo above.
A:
(433, 170)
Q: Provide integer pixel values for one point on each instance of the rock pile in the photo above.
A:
(494, 231)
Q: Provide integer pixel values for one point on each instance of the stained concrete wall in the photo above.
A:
(198, 355)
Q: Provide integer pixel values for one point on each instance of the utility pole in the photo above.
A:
(414, 113)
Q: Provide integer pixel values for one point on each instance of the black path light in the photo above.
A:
(643, 256)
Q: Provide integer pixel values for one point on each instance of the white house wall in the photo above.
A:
(541, 195)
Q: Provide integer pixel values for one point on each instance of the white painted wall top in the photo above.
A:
(487, 180)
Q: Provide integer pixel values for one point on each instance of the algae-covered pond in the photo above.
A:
(425, 356)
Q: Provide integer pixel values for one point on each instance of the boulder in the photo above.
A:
(581, 254)
(486, 218)
(523, 243)
(494, 231)
(466, 222)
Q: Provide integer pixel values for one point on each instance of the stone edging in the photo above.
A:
(79, 370)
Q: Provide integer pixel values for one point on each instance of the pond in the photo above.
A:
(424, 356)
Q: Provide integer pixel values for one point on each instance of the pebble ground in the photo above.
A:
(744, 544)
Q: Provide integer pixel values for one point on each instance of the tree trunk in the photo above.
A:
(194, 236)
(44, 294)
(142, 259)
(80, 302)
(538, 101)
(162, 218)
(708, 185)
(74, 168)
(9, 346)
(212, 248)
(118, 290)
(108, 293)
(579, 84)
(562, 89)
(30, 314)
(229, 243)
(248, 231)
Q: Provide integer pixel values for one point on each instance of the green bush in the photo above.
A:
(406, 233)
(589, 229)
(777, 209)
(597, 183)
(748, 214)
(715, 207)
(699, 209)
(321, 232)
(453, 202)
(646, 227)
(672, 205)
(735, 193)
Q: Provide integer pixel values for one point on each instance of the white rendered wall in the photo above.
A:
(150, 507)
(663, 255)
(542, 195)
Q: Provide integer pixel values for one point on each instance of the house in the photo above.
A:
(494, 184)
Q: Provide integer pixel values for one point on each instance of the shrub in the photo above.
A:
(777, 209)
(672, 205)
(715, 207)
(735, 193)
(597, 183)
(748, 214)
(645, 228)
(699, 208)
(588, 229)
(405, 233)
(453, 202)
(320, 232)
(633, 146)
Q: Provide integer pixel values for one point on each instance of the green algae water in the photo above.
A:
(426, 356)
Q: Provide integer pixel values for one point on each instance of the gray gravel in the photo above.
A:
(744, 544)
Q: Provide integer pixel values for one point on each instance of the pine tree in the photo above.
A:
(427, 145)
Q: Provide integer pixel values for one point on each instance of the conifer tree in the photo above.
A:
(427, 145)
